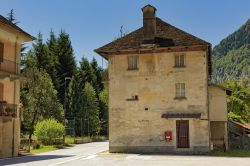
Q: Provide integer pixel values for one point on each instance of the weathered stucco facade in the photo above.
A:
(11, 38)
(158, 91)
(138, 123)
(218, 116)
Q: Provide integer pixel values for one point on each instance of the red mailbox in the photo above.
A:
(168, 136)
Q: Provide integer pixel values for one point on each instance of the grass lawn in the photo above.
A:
(231, 153)
(43, 148)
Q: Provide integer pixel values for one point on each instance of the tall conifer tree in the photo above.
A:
(67, 65)
(52, 51)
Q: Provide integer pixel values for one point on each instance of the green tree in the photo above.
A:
(91, 110)
(38, 96)
(11, 17)
(98, 85)
(66, 62)
(87, 72)
(103, 104)
(239, 101)
(75, 97)
(52, 51)
(44, 61)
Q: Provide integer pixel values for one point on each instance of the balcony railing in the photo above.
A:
(10, 66)
(7, 109)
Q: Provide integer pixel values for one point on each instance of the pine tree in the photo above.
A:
(66, 62)
(52, 51)
(44, 60)
(75, 97)
(91, 110)
(11, 17)
(87, 73)
(98, 73)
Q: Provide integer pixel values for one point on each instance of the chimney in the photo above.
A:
(149, 23)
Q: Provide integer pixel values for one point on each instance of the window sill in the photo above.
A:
(179, 66)
(180, 98)
(132, 99)
(133, 69)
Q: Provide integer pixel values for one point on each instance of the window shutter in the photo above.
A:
(176, 61)
(133, 62)
(1, 91)
(1, 51)
(182, 60)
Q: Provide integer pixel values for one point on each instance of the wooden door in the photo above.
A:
(182, 132)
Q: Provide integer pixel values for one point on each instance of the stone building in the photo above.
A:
(159, 96)
(11, 38)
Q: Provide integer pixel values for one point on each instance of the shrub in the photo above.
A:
(48, 130)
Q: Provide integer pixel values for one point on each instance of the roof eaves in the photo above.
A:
(228, 91)
(6, 22)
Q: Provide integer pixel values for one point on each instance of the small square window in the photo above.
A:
(133, 62)
(180, 90)
(179, 60)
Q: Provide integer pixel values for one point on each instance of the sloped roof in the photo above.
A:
(228, 91)
(246, 126)
(166, 36)
(4, 21)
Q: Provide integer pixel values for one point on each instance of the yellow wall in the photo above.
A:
(12, 42)
(217, 104)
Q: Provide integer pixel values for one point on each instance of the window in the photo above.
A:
(1, 51)
(180, 90)
(133, 62)
(179, 60)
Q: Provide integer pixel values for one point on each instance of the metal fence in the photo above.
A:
(70, 127)
(7, 109)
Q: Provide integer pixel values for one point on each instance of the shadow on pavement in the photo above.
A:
(26, 159)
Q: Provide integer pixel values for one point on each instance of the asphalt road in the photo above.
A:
(95, 154)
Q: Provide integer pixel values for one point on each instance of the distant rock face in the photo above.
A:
(231, 57)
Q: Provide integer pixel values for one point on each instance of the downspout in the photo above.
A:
(14, 100)
(208, 54)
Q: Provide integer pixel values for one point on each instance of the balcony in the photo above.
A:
(9, 110)
(10, 66)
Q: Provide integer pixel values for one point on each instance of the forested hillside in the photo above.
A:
(231, 57)
(231, 69)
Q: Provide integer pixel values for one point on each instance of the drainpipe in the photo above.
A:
(208, 79)
(14, 98)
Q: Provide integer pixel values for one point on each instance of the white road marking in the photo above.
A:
(65, 161)
(89, 157)
(76, 158)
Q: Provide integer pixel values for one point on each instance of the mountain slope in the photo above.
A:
(231, 57)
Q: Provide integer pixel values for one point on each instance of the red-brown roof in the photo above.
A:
(6, 22)
(166, 36)
(246, 125)
(228, 91)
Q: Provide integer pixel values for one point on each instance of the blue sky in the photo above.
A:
(93, 23)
